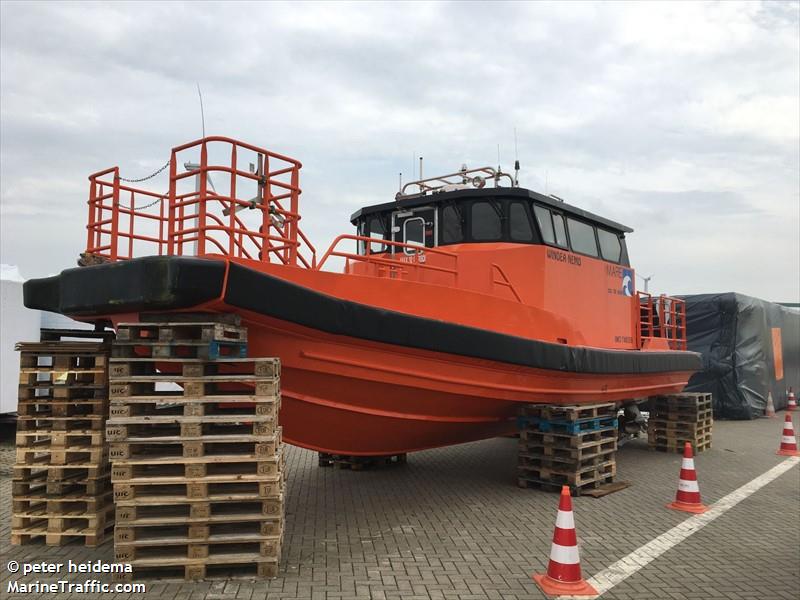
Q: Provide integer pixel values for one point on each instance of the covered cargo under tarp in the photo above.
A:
(749, 346)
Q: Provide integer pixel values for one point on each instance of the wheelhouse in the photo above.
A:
(491, 215)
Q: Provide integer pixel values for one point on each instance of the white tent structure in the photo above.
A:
(19, 324)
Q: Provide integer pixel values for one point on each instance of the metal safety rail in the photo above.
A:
(390, 267)
(662, 317)
(204, 212)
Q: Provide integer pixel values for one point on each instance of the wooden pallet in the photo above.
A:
(55, 348)
(102, 338)
(57, 522)
(228, 567)
(360, 463)
(263, 446)
(569, 413)
(58, 423)
(75, 503)
(122, 368)
(661, 423)
(61, 455)
(587, 449)
(77, 391)
(43, 408)
(134, 533)
(212, 386)
(40, 484)
(686, 401)
(212, 350)
(566, 474)
(584, 439)
(140, 409)
(664, 444)
(217, 490)
(208, 429)
(683, 431)
(681, 415)
(54, 473)
(174, 552)
(90, 536)
(58, 366)
(546, 479)
(62, 377)
(199, 466)
(202, 511)
(46, 438)
(179, 332)
(170, 472)
(559, 464)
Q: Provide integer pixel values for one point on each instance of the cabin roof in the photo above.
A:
(411, 201)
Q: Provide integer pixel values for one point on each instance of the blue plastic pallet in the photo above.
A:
(571, 427)
(237, 349)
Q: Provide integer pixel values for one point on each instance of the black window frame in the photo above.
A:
(552, 212)
(458, 208)
(526, 208)
(591, 226)
(498, 209)
(597, 231)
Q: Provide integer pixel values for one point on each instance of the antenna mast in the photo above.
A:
(516, 160)
(202, 113)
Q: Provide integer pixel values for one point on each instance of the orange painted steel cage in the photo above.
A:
(662, 318)
(205, 211)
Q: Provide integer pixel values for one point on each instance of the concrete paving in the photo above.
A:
(453, 524)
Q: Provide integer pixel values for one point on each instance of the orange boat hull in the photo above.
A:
(347, 396)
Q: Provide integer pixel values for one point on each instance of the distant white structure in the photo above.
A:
(19, 324)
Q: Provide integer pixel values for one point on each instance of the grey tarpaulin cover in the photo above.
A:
(746, 343)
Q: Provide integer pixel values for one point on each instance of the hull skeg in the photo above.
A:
(359, 379)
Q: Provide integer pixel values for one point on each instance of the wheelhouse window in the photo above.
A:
(520, 225)
(610, 247)
(451, 232)
(377, 231)
(486, 224)
(582, 237)
(545, 223)
(561, 232)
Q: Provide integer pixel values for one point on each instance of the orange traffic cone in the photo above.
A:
(791, 403)
(770, 410)
(563, 576)
(688, 497)
(788, 441)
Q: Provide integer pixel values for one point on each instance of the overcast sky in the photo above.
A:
(681, 120)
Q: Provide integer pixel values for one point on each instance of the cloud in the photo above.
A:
(683, 114)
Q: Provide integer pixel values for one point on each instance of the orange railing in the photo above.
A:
(662, 317)
(199, 216)
(390, 267)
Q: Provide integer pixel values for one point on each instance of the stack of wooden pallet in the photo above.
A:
(567, 445)
(197, 459)
(680, 418)
(61, 488)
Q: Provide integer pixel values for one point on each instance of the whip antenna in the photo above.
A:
(202, 114)
(516, 159)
